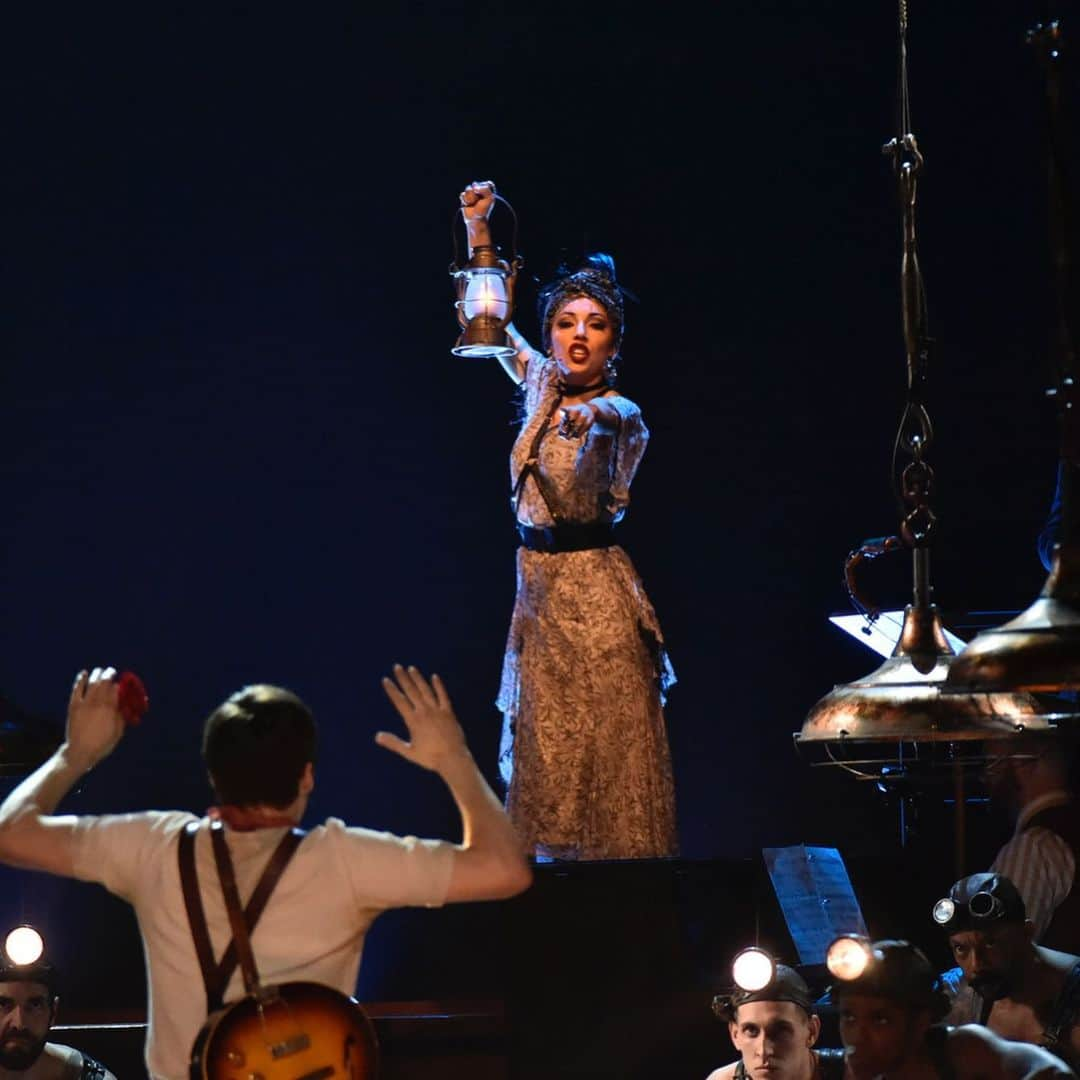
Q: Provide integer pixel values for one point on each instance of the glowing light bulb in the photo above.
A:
(847, 958)
(944, 911)
(485, 295)
(753, 969)
(24, 945)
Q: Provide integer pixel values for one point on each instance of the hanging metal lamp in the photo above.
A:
(1039, 650)
(904, 701)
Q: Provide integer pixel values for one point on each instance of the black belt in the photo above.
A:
(567, 537)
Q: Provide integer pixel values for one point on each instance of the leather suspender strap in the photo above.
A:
(1066, 1008)
(189, 882)
(241, 935)
(257, 901)
(216, 976)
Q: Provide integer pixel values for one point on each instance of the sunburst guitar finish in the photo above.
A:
(296, 1031)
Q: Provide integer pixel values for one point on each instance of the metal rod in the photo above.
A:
(959, 820)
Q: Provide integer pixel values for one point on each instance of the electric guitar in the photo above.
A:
(296, 1031)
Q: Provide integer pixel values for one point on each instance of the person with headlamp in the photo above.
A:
(1018, 989)
(28, 1004)
(890, 1005)
(772, 1022)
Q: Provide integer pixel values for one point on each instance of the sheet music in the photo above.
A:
(816, 897)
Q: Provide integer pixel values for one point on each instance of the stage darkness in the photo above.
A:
(236, 447)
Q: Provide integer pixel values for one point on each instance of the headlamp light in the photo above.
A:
(848, 957)
(943, 911)
(753, 969)
(983, 906)
(23, 946)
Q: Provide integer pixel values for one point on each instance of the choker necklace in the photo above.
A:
(566, 390)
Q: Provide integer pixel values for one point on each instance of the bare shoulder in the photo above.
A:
(976, 1052)
(1060, 961)
(726, 1072)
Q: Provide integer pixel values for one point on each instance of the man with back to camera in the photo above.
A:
(1028, 776)
(259, 749)
(28, 1004)
(889, 1017)
(775, 1030)
(1018, 989)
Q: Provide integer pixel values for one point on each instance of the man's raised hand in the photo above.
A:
(435, 736)
(94, 723)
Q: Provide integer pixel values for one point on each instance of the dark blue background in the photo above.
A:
(236, 447)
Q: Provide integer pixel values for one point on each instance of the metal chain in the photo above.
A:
(913, 483)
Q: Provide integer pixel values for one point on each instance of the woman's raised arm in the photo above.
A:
(477, 202)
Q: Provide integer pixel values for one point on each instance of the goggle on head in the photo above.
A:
(982, 907)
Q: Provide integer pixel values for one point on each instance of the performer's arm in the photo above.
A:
(477, 202)
(976, 1053)
(599, 413)
(489, 863)
(30, 836)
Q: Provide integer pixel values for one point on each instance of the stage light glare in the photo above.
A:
(848, 958)
(24, 945)
(753, 969)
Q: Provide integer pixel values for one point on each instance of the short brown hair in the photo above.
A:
(256, 745)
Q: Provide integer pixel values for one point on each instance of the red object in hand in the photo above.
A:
(132, 700)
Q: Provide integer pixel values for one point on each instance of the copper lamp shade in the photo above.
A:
(1039, 650)
(905, 700)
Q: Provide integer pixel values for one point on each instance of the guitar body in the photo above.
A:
(296, 1031)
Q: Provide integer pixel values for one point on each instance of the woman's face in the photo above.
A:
(582, 340)
(879, 1035)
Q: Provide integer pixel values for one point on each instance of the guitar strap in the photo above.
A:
(216, 976)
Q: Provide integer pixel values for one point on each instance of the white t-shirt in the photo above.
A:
(313, 926)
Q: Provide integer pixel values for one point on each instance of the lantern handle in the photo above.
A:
(515, 262)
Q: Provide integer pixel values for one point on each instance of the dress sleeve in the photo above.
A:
(1041, 865)
(393, 871)
(539, 373)
(630, 442)
(112, 849)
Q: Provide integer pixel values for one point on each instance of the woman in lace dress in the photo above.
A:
(584, 748)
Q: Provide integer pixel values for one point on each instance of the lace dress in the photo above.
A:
(584, 749)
